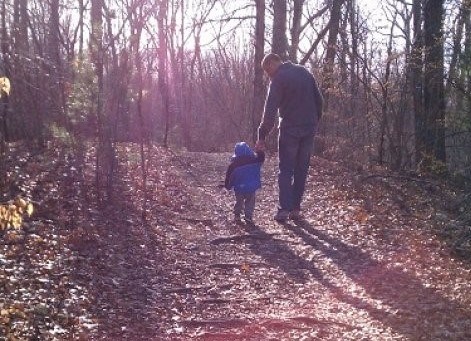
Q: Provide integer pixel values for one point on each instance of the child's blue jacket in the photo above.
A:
(243, 174)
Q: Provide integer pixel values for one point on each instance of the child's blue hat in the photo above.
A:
(242, 149)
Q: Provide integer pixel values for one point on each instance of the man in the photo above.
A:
(294, 92)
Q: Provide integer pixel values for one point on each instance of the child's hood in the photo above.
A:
(242, 149)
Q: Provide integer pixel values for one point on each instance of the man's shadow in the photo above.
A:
(418, 310)
(279, 254)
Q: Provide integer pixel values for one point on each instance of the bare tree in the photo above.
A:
(54, 64)
(258, 86)
(334, 24)
(20, 26)
(417, 77)
(5, 67)
(296, 29)
(434, 96)
(280, 42)
(104, 151)
(162, 69)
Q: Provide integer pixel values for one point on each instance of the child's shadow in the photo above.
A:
(415, 306)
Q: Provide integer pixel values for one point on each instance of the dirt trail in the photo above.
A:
(363, 264)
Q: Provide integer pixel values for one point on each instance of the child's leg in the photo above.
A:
(238, 204)
(249, 205)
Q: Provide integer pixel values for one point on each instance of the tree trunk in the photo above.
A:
(162, 68)
(280, 42)
(385, 112)
(463, 17)
(354, 84)
(54, 62)
(185, 102)
(434, 95)
(137, 27)
(4, 104)
(258, 86)
(334, 25)
(96, 55)
(296, 29)
(465, 79)
(81, 27)
(417, 79)
(20, 26)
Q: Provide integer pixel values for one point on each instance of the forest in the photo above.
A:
(118, 118)
(394, 74)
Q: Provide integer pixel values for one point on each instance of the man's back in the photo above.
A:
(300, 96)
(295, 93)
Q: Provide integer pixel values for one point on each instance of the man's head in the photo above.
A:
(270, 63)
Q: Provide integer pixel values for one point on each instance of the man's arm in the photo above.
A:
(270, 111)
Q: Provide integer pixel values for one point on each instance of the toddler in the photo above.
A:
(243, 174)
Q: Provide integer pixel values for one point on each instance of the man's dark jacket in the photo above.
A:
(294, 92)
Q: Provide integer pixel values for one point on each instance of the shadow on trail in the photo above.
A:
(279, 254)
(118, 266)
(416, 311)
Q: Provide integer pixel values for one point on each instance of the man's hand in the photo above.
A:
(260, 146)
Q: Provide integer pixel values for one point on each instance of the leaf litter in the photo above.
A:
(370, 259)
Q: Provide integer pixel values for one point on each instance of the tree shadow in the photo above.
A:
(117, 266)
(415, 310)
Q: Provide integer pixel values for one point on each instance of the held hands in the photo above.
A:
(260, 146)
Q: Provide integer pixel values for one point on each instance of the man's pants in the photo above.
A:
(244, 202)
(294, 152)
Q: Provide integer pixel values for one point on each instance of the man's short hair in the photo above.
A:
(270, 58)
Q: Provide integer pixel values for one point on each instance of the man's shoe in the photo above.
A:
(248, 220)
(281, 216)
(295, 214)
